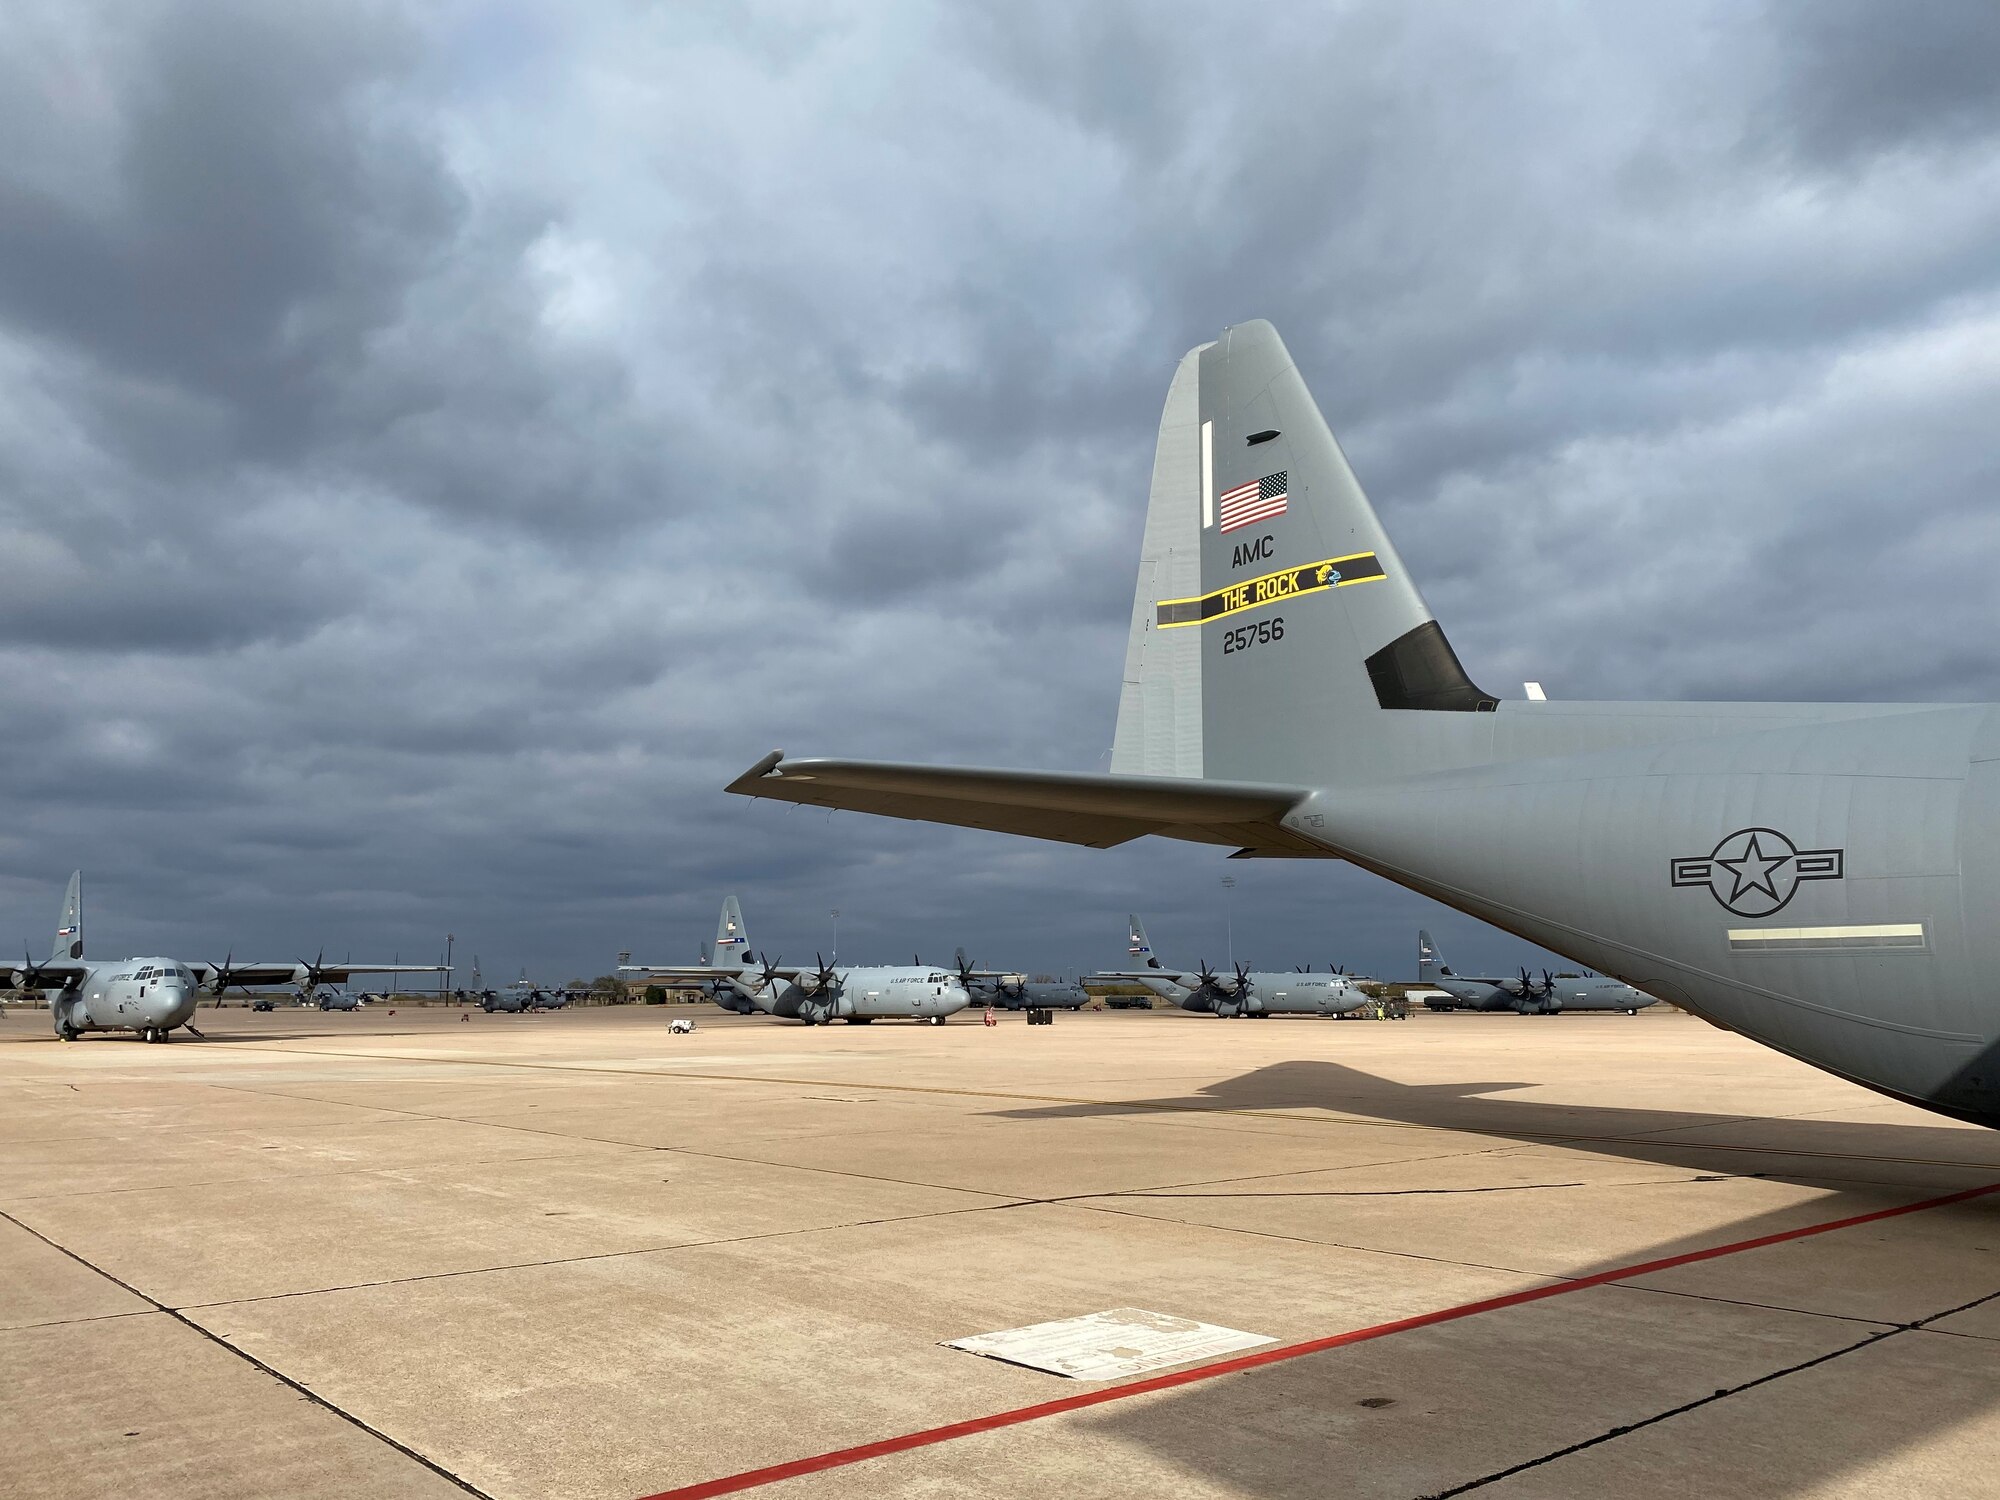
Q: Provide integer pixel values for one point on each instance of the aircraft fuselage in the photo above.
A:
(1553, 998)
(1274, 994)
(151, 996)
(870, 994)
(1032, 996)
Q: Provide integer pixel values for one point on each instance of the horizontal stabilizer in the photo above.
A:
(1099, 811)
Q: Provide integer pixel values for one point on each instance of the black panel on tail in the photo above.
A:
(1420, 670)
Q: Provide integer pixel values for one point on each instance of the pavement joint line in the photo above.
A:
(1808, 1312)
(1299, 1239)
(1724, 1394)
(1076, 1200)
(135, 1312)
(174, 1187)
(1139, 1106)
(1015, 1200)
(597, 1255)
(750, 1479)
(1960, 1333)
(255, 1363)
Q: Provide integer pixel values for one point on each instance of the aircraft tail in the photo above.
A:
(69, 931)
(1430, 963)
(732, 938)
(1137, 946)
(1273, 620)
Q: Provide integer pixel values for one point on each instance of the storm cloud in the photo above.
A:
(440, 445)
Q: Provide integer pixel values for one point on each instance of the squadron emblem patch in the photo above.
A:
(1754, 872)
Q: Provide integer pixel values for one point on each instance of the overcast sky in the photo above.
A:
(441, 445)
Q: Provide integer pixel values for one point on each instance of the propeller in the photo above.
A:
(31, 974)
(1527, 989)
(821, 981)
(223, 976)
(1223, 995)
(823, 997)
(315, 971)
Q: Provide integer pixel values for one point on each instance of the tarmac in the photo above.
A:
(568, 1254)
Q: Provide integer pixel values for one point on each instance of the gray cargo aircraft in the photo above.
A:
(152, 996)
(1017, 991)
(1242, 993)
(1549, 995)
(1817, 876)
(523, 996)
(740, 981)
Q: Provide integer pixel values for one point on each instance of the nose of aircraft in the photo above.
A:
(170, 1002)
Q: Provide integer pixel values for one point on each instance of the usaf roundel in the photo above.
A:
(1754, 872)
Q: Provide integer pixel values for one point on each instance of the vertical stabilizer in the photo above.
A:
(1430, 963)
(1274, 625)
(1137, 946)
(732, 938)
(69, 931)
(1159, 705)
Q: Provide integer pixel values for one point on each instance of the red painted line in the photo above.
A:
(751, 1479)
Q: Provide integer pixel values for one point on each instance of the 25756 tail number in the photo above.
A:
(1262, 633)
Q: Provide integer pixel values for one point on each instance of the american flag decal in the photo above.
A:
(1247, 504)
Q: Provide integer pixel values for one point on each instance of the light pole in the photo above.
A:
(444, 979)
(1228, 923)
(836, 932)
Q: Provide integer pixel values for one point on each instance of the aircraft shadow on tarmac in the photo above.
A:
(1795, 1148)
(1516, 1392)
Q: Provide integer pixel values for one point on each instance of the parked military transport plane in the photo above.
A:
(815, 994)
(152, 996)
(523, 996)
(1548, 995)
(1818, 876)
(1017, 991)
(1242, 993)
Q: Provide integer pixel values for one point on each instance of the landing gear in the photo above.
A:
(935, 1020)
(66, 1032)
(1630, 1011)
(859, 1020)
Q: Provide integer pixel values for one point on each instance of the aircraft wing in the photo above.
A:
(705, 971)
(53, 976)
(1135, 976)
(1098, 811)
(255, 975)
